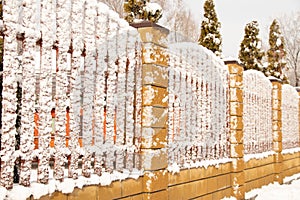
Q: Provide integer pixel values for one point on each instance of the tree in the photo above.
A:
(182, 25)
(116, 6)
(142, 10)
(290, 27)
(250, 52)
(276, 53)
(210, 36)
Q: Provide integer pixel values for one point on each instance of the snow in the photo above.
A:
(193, 129)
(286, 191)
(118, 90)
(66, 186)
(257, 112)
(278, 42)
(275, 191)
(258, 156)
(290, 117)
(152, 8)
(291, 151)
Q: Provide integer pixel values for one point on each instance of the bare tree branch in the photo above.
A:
(290, 26)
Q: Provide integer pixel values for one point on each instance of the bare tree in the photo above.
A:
(116, 6)
(290, 27)
(179, 19)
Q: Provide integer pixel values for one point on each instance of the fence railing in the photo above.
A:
(88, 66)
(198, 105)
(290, 117)
(257, 114)
(72, 98)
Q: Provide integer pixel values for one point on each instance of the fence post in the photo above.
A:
(277, 128)
(236, 129)
(155, 63)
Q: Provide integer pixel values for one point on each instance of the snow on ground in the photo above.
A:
(288, 191)
(67, 186)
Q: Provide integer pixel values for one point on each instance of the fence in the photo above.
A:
(127, 101)
(290, 117)
(257, 113)
(97, 69)
(198, 106)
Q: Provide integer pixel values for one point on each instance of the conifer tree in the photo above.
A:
(250, 53)
(142, 10)
(210, 36)
(276, 54)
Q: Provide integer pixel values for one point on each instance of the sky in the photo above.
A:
(235, 14)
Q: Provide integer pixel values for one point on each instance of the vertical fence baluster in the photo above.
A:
(88, 85)
(9, 84)
(100, 92)
(130, 84)
(28, 91)
(45, 90)
(63, 38)
(75, 85)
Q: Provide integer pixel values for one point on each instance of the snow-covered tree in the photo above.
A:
(142, 10)
(276, 53)
(250, 52)
(290, 27)
(210, 36)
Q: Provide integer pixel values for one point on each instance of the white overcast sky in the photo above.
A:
(235, 14)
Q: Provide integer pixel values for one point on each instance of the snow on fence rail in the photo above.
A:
(257, 113)
(198, 106)
(290, 117)
(95, 59)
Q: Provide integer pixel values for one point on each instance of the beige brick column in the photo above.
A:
(155, 60)
(277, 128)
(236, 129)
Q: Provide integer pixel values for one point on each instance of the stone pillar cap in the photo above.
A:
(145, 23)
(274, 79)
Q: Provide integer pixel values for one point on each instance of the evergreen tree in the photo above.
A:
(142, 10)
(276, 54)
(210, 36)
(250, 52)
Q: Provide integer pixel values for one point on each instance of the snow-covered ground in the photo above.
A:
(288, 191)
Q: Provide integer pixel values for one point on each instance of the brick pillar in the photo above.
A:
(236, 129)
(155, 60)
(277, 128)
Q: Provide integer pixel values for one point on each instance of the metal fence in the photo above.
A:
(257, 114)
(81, 60)
(198, 105)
